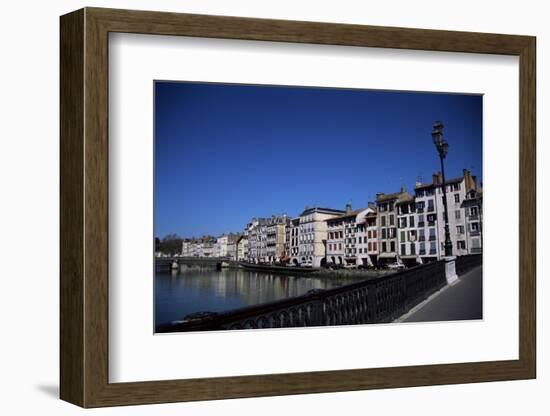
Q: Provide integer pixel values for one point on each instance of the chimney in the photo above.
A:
(348, 208)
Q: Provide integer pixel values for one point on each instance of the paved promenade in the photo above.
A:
(462, 301)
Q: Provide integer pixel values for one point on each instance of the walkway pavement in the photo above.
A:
(462, 301)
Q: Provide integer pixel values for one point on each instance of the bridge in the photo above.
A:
(379, 300)
(165, 263)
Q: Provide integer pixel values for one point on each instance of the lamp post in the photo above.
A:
(442, 148)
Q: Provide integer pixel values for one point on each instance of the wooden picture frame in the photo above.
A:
(84, 207)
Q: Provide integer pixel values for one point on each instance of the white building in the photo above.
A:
(225, 246)
(473, 211)
(347, 241)
(266, 239)
(372, 237)
(335, 241)
(431, 220)
(232, 246)
(292, 242)
(242, 248)
(313, 235)
(275, 237)
(254, 240)
(407, 232)
(386, 206)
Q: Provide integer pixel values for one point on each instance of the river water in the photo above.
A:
(205, 289)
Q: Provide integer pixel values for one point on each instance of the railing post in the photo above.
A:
(450, 270)
(317, 314)
(372, 303)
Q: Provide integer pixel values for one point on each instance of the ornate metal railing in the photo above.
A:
(465, 263)
(376, 300)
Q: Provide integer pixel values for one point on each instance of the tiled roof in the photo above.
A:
(396, 195)
(447, 182)
(347, 214)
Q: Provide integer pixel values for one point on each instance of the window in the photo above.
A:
(391, 206)
(339, 246)
(461, 244)
(360, 240)
(475, 243)
(457, 198)
(403, 236)
(374, 246)
(384, 233)
(402, 222)
(392, 246)
(411, 221)
(474, 226)
(456, 186)
(374, 234)
(403, 249)
(421, 220)
(392, 219)
(429, 191)
(432, 248)
(360, 251)
(430, 205)
(431, 219)
(420, 192)
(422, 248)
(457, 214)
(421, 236)
(383, 221)
(369, 246)
(473, 211)
(420, 206)
(413, 249)
(460, 229)
(432, 234)
(384, 247)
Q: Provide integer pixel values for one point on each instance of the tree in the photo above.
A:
(157, 244)
(171, 244)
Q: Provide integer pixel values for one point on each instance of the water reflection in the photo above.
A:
(205, 289)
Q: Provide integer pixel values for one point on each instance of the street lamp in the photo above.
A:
(442, 148)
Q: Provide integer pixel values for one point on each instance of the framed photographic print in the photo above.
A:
(256, 207)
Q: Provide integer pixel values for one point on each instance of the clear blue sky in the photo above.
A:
(225, 153)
